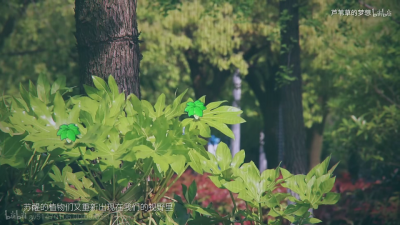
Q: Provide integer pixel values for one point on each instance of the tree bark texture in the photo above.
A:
(107, 38)
(291, 94)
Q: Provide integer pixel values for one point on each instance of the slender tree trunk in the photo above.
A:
(292, 108)
(237, 93)
(281, 136)
(271, 123)
(263, 163)
(316, 148)
(107, 37)
(314, 141)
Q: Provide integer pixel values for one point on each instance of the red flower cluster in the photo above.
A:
(207, 192)
(343, 184)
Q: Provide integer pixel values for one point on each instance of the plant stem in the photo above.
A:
(169, 173)
(91, 175)
(169, 186)
(44, 163)
(145, 174)
(101, 218)
(234, 204)
(260, 213)
(67, 220)
(114, 180)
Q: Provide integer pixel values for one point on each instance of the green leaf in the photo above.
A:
(202, 99)
(285, 173)
(323, 167)
(326, 186)
(59, 112)
(191, 194)
(331, 198)
(179, 164)
(86, 118)
(43, 88)
(58, 84)
(150, 109)
(195, 161)
(25, 95)
(333, 168)
(161, 161)
(100, 84)
(218, 181)
(270, 201)
(32, 89)
(80, 193)
(238, 159)
(92, 92)
(314, 220)
(223, 156)
(223, 110)
(213, 105)
(251, 177)
(117, 105)
(175, 109)
(310, 185)
(204, 211)
(204, 128)
(219, 126)
(268, 180)
(160, 105)
(73, 116)
(235, 186)
(297, 209)
(113, 86)
(185, 192)
(41, 111)
(245, 196)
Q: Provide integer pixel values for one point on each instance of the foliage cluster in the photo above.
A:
(121, 141)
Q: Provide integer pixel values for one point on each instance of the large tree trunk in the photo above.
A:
(292, 108)
(295, 154)
(107, 37)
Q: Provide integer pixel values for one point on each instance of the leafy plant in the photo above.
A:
(128, 151)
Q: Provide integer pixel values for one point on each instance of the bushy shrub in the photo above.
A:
(128, 151)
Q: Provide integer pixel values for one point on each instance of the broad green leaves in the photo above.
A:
(130, 141)
(314, 187)
(40, 112)
(215, 116)
(13, 151)
(75, 184)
